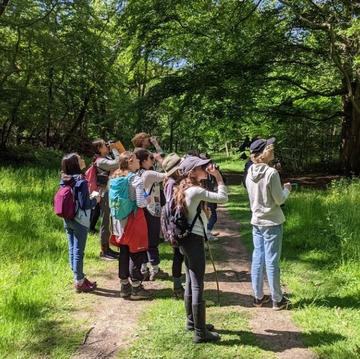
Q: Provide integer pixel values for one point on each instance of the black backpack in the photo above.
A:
(174, 224)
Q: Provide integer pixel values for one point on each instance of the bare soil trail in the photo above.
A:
(274, 330)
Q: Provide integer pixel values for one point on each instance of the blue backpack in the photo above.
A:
(120, 203)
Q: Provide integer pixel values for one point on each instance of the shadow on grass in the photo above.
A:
(350, 301)
(227, 299)
(46, 334)
(279, 341)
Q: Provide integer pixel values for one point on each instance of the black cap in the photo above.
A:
(259, 145)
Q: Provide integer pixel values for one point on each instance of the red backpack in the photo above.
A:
(64, 202)
(91, 177)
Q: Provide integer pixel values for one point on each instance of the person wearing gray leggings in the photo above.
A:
(190, 195)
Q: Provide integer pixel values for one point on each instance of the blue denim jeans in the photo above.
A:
(77, 236)
(267, 250)
(213, 216)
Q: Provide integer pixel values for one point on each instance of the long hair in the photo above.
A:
(179, 191)
(70, 164)
(124, 160)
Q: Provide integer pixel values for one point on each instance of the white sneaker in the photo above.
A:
(211, 238)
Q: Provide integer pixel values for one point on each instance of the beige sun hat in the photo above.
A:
(171, 163)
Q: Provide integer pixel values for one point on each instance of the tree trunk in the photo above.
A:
(350, 135)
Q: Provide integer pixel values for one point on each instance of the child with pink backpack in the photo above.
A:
(73, 203)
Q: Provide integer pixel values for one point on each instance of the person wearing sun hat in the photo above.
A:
(171, 165)
(266, 195)
(191, 196)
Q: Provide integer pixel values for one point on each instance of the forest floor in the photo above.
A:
(113, 321)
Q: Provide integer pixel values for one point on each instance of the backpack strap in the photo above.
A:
(202, 224)
(198, 215)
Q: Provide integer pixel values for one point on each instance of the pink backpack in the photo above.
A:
(64, 202)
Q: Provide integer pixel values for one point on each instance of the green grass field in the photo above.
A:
(320, 264)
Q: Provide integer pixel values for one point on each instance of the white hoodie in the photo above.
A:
(266, 195)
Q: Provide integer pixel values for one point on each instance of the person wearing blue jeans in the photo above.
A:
(266, 195)
(77, 236)
(267, 251)
(77, 228)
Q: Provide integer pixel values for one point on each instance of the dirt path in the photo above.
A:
(111, 321)
(274, 330)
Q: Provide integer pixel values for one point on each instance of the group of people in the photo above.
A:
(194, 186)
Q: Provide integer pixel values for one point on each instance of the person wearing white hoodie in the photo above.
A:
(266, 195)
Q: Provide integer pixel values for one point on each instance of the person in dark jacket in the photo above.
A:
(77, 228)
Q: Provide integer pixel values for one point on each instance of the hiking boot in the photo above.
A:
(283, 304)
(160, 274)
(189, 315)
(125, 290)
(201, 333)
(108, 256)
(179, 292)
(91, 284)
(84, 287)
(260, 302)
(139, 293)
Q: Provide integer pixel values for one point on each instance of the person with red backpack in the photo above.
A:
(73, 203)
(127, 201)
(105, 164)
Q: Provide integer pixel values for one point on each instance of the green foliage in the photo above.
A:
(319, 264)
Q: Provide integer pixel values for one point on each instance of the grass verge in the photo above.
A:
(320, 264)
(37, 301)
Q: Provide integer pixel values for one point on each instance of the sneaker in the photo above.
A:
(146, 276)
(108, 256)
(179, 293)
(260, 302)
(91, 284)
(211, 238)
(283, 304)
(139, 293)
(84, 287)
(160, 274)
(125, 290)
(215, 234)
(115, 253)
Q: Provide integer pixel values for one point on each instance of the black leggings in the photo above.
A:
(130, 264)
(153, 224)
(194, 255)
(178, 260)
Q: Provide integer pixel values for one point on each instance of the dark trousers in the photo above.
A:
(130, 264)
(153, 224)
(194, 256)
(178, 259)
(213, 216)
(94, 217)
(105, 220)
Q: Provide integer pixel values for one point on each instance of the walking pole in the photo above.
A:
(215, 271)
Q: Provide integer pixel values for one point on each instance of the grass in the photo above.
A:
(320, 264)
(37, 302)
(232, 164)
(161, 333)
